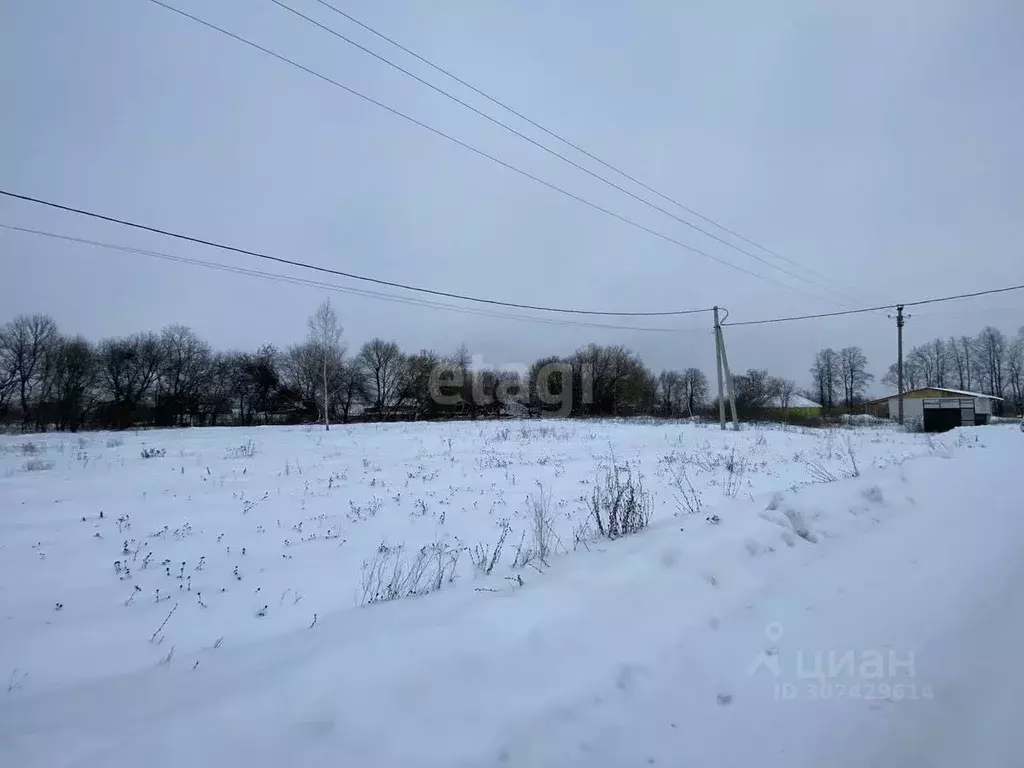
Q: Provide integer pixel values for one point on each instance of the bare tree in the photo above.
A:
(128, 368)
(73, 377)
(549, 381)
(695, 389)
(302, 369)
(913, 378)
(966, 347)
(1015, 371)
(7, 379)
(670, 391)
(827, 375)
(264, 376)
(932, 361)
(384, 366)
(611, 381)
(991, 356)
(416, 386)
(185, 368)
(215, 397)
(255, 382)
(24, 345)
(755, 391)
(783, 390)
(919, 359)
(853, 366)
(325, 335)
(351, 387)
(959, 364)
(941, 360)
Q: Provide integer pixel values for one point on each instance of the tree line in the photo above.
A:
(990, 363)
(175, 378)
(840, 379)
(49, 379)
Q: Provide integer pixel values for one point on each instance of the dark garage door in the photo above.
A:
(946, 413)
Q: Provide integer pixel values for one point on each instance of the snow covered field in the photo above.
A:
(800, 596)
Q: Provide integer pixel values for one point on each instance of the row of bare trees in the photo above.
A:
(758, 394)
(840, 378)
(990, 363)
(174, 378)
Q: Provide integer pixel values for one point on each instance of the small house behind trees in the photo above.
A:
(795, 406)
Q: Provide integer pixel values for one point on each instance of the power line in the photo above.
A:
(275, 277)
(340, 273)
(475, 150)
(538, 144)
(880, 308)
(811, 317)
(553, 134)
(963, 296)
(973, 313)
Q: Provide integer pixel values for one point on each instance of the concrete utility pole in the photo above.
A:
(899, 357)
(728, 381)
(724, 374)
(718, 370)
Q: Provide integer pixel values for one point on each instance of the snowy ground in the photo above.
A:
(803, 597)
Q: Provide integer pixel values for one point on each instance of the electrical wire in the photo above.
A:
(338, 288)
(811, 316)
(974, 313)
(479, 152)
(341, 273)
(504, 105)
(880, 308)
(541, 146)
(1007, 289)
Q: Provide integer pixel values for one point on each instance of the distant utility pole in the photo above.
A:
(899, 358)
(724, 373)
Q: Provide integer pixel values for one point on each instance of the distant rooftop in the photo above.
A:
(796, 401)
(960, 392)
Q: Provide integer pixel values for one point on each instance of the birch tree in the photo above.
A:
(325, 335)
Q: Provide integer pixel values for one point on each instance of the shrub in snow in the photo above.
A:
(25, 449)
(37, 465)
(493, 460)
(688, 498)
(395, 573)
(153, 453)
(620, 505)
(582, 533)
(851, 457)
(819, 472)
(542, 523)
(164, 624)
(484, 557)
(244, 451)
(735, 469)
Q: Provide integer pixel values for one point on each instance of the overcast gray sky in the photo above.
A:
(877, 143)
